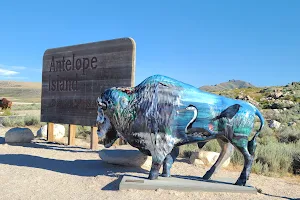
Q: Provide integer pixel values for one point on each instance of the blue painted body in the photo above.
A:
(154, 118)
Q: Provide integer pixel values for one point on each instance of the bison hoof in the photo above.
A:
(153, 176)
(207, 176)
(240, 182)
(165, 175)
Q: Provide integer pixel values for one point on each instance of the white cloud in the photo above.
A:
(12, 78)
(5, 72)
(18, 67)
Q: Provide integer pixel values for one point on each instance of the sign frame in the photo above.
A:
(74, 76)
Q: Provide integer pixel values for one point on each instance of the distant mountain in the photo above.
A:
(231, 84)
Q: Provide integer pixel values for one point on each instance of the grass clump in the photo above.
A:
(186, 150)
(212, 145)
(83, 132)
(6, 112)
(289, 134)
(13, 122)
(33, 106)
(296, 163)
(28, 120)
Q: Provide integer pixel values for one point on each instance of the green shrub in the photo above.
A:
(296, 163)
(7, 112)
(237, 158)
(30, 120)
(266, 131)
(260, 168)
(266, 140)
(265, 104)
(13, 122)
(83, 131)
(277, 157)
(212, 145)
(186, 150)
(257, 167)
(21, 121)
(289, 134)
(273, 157)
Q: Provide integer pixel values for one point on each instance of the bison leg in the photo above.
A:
(168, 162)
(242, 145)
(226, 152)
(154, 172)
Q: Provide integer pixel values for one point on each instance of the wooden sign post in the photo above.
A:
(75, 76)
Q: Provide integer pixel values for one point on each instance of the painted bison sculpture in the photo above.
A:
(161, 113)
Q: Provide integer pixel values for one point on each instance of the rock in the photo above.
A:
(292, 123)
(125, 157)
(274, 124)
(207, 157)
(198, 162)
(59, 131)
(22, 135)
(276, 94)
(147, 164)
(247, 98)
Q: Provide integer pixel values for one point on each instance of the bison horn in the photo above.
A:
(101, 104)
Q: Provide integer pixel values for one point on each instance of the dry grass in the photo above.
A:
(21, 91)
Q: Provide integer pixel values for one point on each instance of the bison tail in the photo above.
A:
(252, 142)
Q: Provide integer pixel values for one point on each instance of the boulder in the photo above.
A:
(198, 162)
(247, 98)
(207, 157)
(274, 124)
(19, 135)
(58, 133)
(147, 164)
(125, 156)
(276, 94)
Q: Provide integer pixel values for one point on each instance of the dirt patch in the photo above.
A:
(43, 170)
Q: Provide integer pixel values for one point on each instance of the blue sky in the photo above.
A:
(198, 42)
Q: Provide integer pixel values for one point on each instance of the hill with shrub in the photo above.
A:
(278, 150)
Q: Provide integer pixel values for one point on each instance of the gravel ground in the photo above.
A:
(43, 170)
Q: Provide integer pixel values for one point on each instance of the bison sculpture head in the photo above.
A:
(109, 105)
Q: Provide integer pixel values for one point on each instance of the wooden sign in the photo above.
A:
(74, 76)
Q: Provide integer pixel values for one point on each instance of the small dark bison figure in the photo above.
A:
(4, 104)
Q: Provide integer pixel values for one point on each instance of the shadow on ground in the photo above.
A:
(2, 140)
(283, 197)
(90, 168)
(86, 168)
(44, 144)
